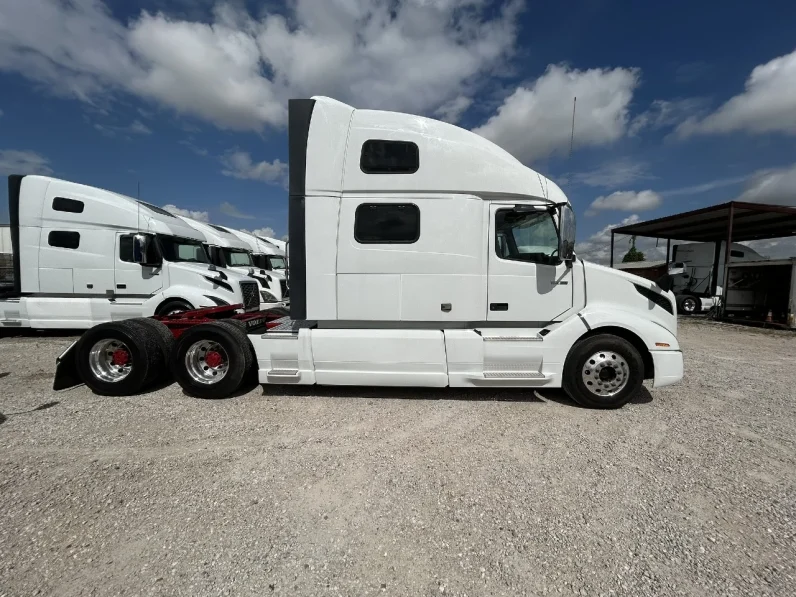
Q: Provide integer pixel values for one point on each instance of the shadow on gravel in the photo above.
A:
(642, 397)
(29, 333)
(367, 392)
(45, 406)
(5, 374)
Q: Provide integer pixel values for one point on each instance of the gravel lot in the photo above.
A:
(690, 490)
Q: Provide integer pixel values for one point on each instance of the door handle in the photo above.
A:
(122, 286)
(498, 306)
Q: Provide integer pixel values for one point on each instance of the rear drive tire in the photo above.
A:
(118, 358)
(688, 305)
(173, 307)
(603, 371)
(164, 338)
(210, 360)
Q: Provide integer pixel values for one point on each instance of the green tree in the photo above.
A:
(633, 254)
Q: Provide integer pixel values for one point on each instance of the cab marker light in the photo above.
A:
(662, 344)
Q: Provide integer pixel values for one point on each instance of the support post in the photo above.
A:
(727, 259)
(612, 249)
(668, 246)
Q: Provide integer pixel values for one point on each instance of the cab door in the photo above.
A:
(133, 279)
(527, 282)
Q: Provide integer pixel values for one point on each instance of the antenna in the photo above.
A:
(572, 137)
(138, 202)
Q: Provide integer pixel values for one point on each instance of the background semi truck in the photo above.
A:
(83, 255)
(695, 288)
(422, 254)
(226, 250)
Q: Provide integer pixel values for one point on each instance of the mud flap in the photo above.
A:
(66, 375)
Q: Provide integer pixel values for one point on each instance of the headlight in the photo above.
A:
(268, 297)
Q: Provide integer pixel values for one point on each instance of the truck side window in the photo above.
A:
(69, 205)
(389, 157)
(63, 239)
(126, 249)
(387, 223)
(736, 253)
(526, 236)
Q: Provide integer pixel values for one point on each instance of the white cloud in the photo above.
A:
(261, 232)
(536, 120)
(238, 164)
(194, 148)
(777, 186)
(667, 113)
(139, 128)
(452, 111)
(626, 201)
(200, 216)
(237, 71)
(14, 161)
(768, 103)
(230, 210)
(705, 186)
(612, 174)
(1, 112)
(597, 247)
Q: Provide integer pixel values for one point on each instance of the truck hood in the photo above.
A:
(621, 290)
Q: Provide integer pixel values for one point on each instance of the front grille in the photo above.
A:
(285, 291)
(251, 298)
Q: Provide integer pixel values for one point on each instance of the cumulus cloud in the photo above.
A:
(768, 103)
(262, 232)
(237, 70)
(452, 111)
(597, 247)
(199, 216)
(14, 161)
(239, 164)
(667, 114)
(777, 186)
(536, 120)
(626, 201)
(230, 210)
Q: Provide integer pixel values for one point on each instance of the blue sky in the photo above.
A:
(680, 104)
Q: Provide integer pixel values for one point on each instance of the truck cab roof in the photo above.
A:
(217, 235)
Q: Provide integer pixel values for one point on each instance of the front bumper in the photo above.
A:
(668, 367)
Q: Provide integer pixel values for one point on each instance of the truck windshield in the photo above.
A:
(526, 236)
(237, 257)
(175, 248)
(276, 261)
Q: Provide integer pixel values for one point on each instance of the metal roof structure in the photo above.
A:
(746, 221)
(731, 222)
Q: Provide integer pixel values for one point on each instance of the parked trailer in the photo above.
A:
(424, 255)
(762, 291)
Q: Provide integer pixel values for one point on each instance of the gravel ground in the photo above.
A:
(690, 490)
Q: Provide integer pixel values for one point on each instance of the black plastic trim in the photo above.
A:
(217, 301)
(14, 188)
(218, 282)
(659, 299)
(299, 118)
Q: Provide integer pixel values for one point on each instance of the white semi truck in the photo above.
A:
(268, 258)
(227, 251)
(83, 255)
(695, 288)
(398, 278)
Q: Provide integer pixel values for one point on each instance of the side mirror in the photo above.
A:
(566, 236)
(143, 249)
(665, 282)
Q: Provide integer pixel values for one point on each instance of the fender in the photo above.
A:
(195, 296)
(650, 332)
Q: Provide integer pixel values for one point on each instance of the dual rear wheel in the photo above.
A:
(122, 358)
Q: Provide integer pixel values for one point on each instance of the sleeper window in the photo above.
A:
(69, 205)
(389, 157)
(526, 236)
(63, 239)
(387, 223)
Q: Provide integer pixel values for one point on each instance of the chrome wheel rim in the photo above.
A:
(689, 305)
(206, 362)
(605, 373)
(110, 360)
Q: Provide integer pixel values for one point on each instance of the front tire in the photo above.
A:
(174, 307)
(603, 371)
(210, 360)
(689, 305)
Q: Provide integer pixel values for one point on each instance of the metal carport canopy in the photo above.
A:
(735, 220)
